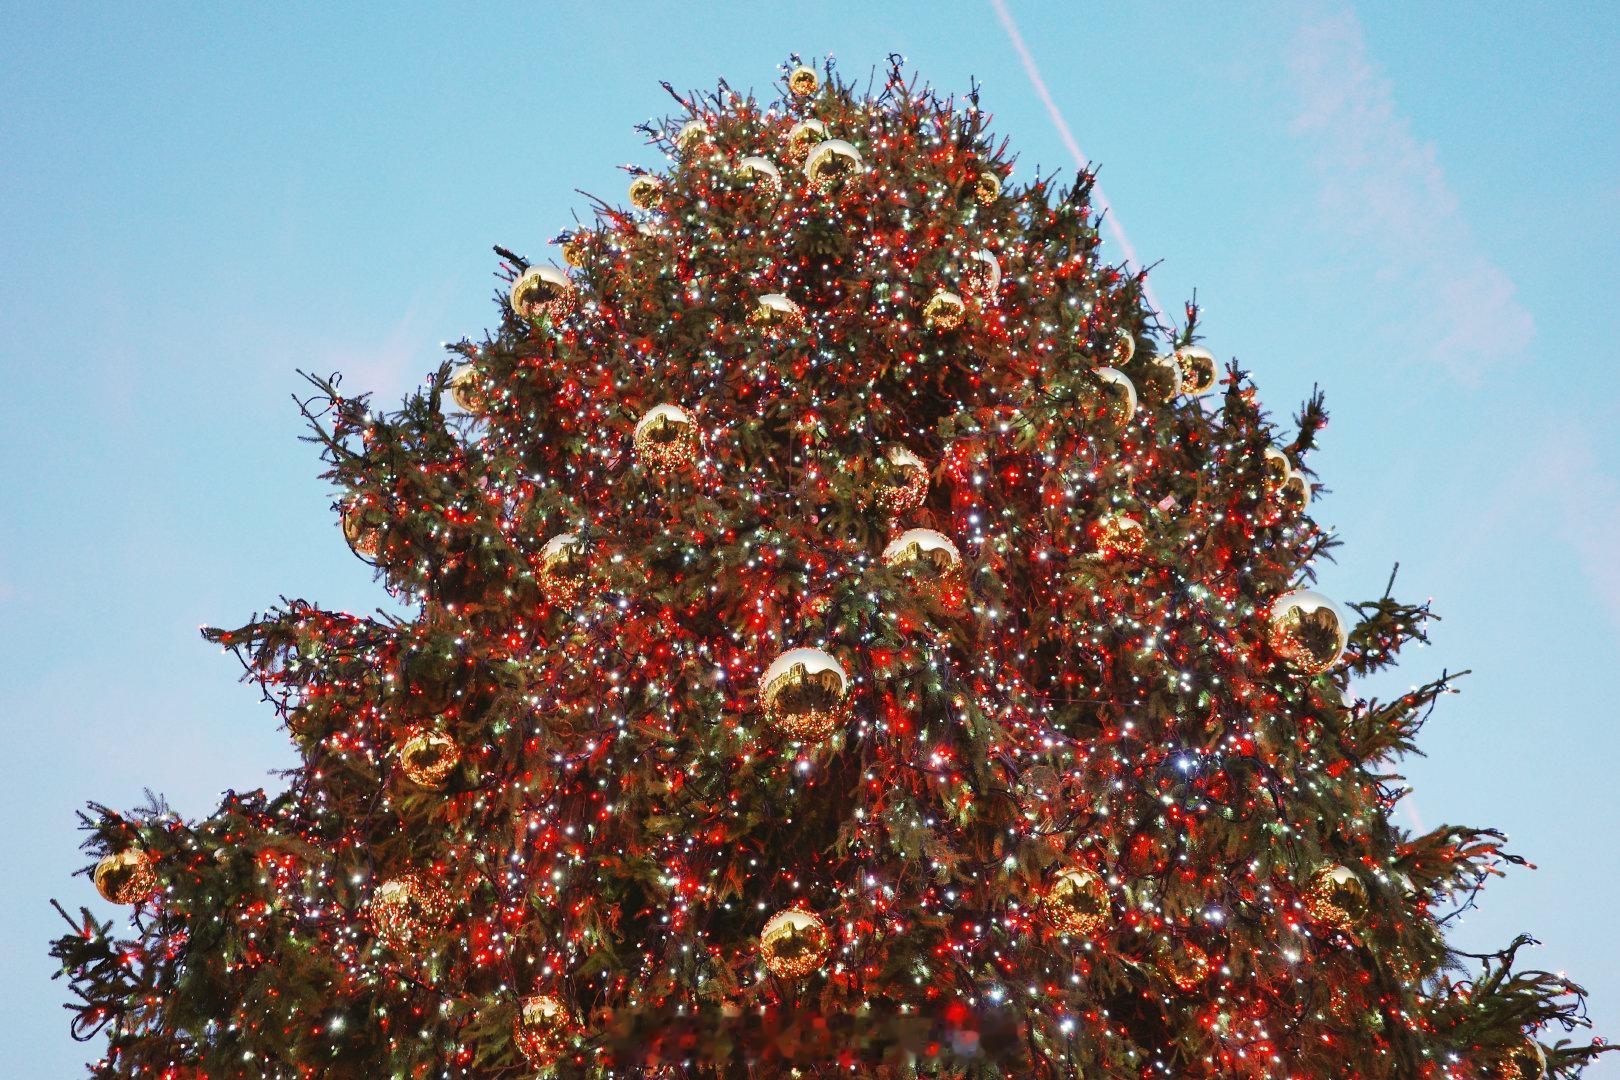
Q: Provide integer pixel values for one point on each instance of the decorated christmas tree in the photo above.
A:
(850, 634)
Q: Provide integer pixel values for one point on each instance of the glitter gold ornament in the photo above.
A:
(802, 136)
(1122, 348)
(929, 558)
(646, 191)
(987, 188)
(466, 390)
(830, 163)
(805, 694)
(1119, 536)
(126, 877)
(905, 484)
(1186, 964)
(564, 568)
(541, 1030)
(542, 291)
(1295, 493)
(1308, 631)
(794, 943)
(407, 910)
(693, 134)
(1197, 369)
(982, 275)
(1118, 394)
(427, 758)
(944, 310)
(1337, 897)
(1275, 468)
(364, 538)
(762, 172)
(803, 81)
(1077, 903)
(1527, 1061)
(775, 312)
(666, 439)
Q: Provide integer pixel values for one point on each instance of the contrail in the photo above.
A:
(1110, 219)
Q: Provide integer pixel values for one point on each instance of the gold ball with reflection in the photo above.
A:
(1337, 897)
(407, 910)
(944, 311)
(126, 877)
(427, 758)
(1077, 903)
(541, 1030)
(794, 943)
(803, 81)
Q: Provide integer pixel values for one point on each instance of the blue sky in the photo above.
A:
(1416, 209)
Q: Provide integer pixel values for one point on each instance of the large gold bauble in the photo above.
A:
(1120, 536)
(541, 1030)
(427, 758)
(1275, 469)
(931, 561)
(1118, 396)
(1337, 897)
(805, 694)
(564, 568)
(987, 188)
(1122, 348)
(944, 310)
(666, 439)
(776, 313)
(126, 877)
(831, 163)
(1295, 494)
(1197, 369)
(406, 911)
(1527, 1061)
(794, 943)
(693, 134)
(802, 136)
(542, 292)
(762, 171)
(467, 389)
(906, 482)
(1164, 378)
(803, 81)
(1077, 903)
(1307, 631)
(981, 277)
(646, 191)
(364, 538)
(573, 249)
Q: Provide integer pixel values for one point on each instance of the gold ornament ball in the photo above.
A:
(905, 484)
(693, 134)
(794, 943)
(982, 275)
(1118, 396)
(427, 758)
(1122, 348)
(666, 439)
(944, 310)
(1120, 536)
(541, 1030)
(931, 561)
(467, 390)
(1337, 897)
(646, 191)
(762, 171)
(776, 313)
(1307, 631)
(564, 568)
(1197, 369)
(364, 538)
(126, 877)
(1527, 1061)
(802, 136)
(1275, 469)
(805, 694)
(831, 163)
(1164, 376)
(987, 188)
(573, 249)
(407, 910)
(542, 292)
(1077, 903)
(1295, 494)
(803, 81)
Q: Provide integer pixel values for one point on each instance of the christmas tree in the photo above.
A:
(851, 634)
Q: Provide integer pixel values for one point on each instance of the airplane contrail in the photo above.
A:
(1110, 219)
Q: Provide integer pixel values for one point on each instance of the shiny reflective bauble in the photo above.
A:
(666, 439)
(1275, 469)
(982, 275)
(646, 191)
(406, 911)
(775, 311)
(944, 310)
(1337, 897)
(906, 481)
(803, 81)
(802, 136)
(427, 758)
(794, 943)
(126, 877)
(805, 694)
(541, 1030)
(564, 568)
(1307, 631)
(1197, 369)
(542, 292)
(1119, 536)
(762, 172)
(987, 188)
(830, 163)
(1118, 394)
(1295, 494)
(466, 390)
(364, 538)
(693, 134)
(1077, 903)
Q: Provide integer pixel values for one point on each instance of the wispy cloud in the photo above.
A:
(1066, 135)
(1384, 196)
